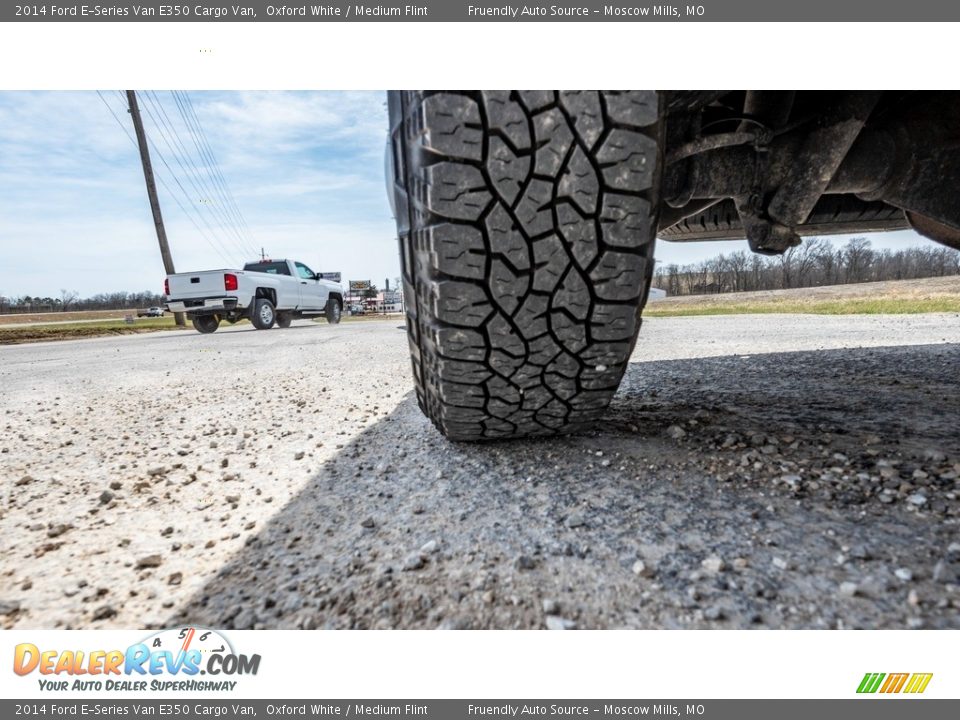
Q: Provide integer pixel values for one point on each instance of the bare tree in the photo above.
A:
(815, 262)
(857, 257)
(67, 298)
(738, 263)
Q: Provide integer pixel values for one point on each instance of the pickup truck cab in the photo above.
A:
(266, 292)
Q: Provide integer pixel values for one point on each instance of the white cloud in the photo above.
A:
(304, 168)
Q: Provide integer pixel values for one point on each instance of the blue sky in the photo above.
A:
(305, 169)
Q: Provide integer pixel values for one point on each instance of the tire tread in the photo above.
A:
(526, 225)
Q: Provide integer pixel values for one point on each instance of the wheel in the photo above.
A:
(526, 223)
(333, 311)
(263, 315)
(284, 319)
(206, 323)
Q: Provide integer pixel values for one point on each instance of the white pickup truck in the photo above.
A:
(265, 292)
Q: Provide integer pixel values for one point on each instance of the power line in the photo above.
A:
(163, 182)
(205, 178)
(189, 198)
(193, 123)
(187, 104)
(171, 138)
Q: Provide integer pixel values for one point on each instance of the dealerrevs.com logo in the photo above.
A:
(170, 660)
(891, 683)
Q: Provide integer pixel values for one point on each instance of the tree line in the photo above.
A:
(814, 263)
(69, 300)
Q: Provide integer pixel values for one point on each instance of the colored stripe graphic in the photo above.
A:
(870, 682)
(895, 682)
(918, 682)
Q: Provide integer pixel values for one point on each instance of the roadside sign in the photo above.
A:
(332, 276)
(359, 285)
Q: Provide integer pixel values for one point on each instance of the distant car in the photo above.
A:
(151, 312)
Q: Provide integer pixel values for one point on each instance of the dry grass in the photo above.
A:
(72, 316)
(891, 297)
(12, 334)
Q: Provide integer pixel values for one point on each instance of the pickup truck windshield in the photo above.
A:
(274, 268)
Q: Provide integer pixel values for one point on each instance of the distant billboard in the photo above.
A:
(359, 285)
(391, 297)
(333, 277)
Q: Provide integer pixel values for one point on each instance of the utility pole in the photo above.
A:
(152, 190)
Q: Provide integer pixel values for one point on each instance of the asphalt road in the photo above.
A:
(775, 471)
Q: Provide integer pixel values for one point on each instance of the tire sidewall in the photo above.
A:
(206, 324)
(264, 314)
(334, 311)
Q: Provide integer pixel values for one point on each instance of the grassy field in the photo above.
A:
(933, 295)
(59, 317)
(15, 333)
(865, 306)
(881, 298)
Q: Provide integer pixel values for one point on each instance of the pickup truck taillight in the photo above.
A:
(166, 286)
(229, 281)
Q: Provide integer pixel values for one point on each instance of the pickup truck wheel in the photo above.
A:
(263, 315)
(284, 319)
(206, 323)
(526, 223)
(333, 311)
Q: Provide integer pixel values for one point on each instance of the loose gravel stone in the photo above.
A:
(414, 561)
(104, 612)
(643, 569)
(713, 564)
(714, 613)
(848, 589)
(904, 574)
(524, 562)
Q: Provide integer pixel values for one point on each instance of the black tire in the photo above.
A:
(264, 315)
(206, 323)
(334, 311)
(526, 223)
(284, 319)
